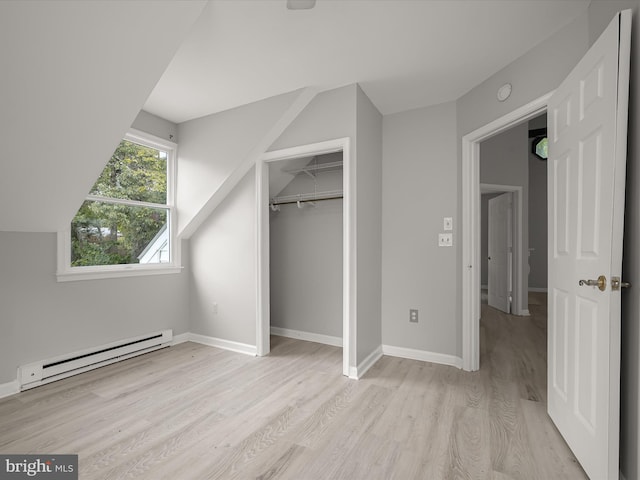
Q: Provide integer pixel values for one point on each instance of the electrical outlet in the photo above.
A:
(413, 315)
(448, 224)
(445, 239)
(215, 308)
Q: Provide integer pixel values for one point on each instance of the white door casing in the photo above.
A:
(470, 222)
(349, 255)
(587, 118)
(500, 245)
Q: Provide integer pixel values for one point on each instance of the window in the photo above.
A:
(125, 225)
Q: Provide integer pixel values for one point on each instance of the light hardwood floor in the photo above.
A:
(196, 412)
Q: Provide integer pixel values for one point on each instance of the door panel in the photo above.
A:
(587, 123)
(559, 352)
(560, 213)
(590, 171)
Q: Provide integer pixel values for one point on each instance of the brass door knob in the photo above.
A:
(601, 283)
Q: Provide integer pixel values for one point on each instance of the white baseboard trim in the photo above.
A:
(422, 355)
(538, 289)
(366, 364)
(13, 387)
(9, 388)
(224, 344)
(308, 336)
(524, 312)
(181, 338)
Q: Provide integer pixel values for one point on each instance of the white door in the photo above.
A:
(499, 248)
(587, 119)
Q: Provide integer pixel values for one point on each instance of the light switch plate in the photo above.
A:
(445, 239)
(448, 223)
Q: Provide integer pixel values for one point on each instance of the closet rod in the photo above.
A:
(287, 202)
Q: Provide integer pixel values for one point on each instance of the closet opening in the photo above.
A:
(306, 267)
(305, 248)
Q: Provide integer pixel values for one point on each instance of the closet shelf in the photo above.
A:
(314, 168)
(307, 197)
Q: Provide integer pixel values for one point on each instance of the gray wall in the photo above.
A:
(532, 75)
(223, 269)
(504, 159)
(157, 126)
(223, 263)
(419, 178)
(41, 318)
(306, 259)
(369, 226)
(330, 115)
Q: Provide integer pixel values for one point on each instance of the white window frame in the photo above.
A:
(67, 273)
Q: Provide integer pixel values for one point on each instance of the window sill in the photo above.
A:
(116, 271)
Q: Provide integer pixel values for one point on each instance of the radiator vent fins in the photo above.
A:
(39, 373)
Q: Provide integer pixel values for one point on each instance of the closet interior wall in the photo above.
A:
(306, 251)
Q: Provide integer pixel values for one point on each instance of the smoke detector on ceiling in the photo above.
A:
(301, 4)
(504, 92)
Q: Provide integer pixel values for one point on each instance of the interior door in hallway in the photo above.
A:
(587, 119)
(500, 247)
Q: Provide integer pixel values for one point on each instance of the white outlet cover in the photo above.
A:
(448, 223)
(445, 240)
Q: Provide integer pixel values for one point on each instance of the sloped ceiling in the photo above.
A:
(217, 151)
(74, 76)
(404, 54)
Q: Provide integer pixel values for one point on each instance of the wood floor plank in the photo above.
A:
(553, 458)
(336, 446)
(282, 465)
(469, 447)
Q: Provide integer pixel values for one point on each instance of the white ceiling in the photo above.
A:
(404, 53)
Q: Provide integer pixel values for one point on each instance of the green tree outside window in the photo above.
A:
(106, 232)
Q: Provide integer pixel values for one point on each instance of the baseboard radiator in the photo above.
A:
(39, 373)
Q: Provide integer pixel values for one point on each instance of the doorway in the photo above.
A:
(514, 162)
(588, 126)
(305, 223)
(263, 327)
(500, 245)
(471, 275)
